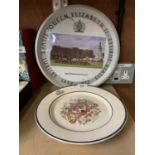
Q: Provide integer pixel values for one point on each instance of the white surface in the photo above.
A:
(76, 74)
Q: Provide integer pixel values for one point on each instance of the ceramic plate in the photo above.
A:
(77, 44)
(81, 115)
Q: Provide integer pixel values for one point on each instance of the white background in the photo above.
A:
(145, 77)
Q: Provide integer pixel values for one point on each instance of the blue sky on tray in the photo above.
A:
(80, 41)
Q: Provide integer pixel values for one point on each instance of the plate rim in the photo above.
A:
(83, 142)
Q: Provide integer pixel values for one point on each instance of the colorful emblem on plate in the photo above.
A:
(81, 111)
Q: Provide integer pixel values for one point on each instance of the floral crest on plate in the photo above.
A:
(80, 110)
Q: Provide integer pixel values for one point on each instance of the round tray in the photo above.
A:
(81, 115)
(77, 44)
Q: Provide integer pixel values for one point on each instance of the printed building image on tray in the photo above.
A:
(77, 51)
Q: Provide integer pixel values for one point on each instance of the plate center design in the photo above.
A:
(80, 111)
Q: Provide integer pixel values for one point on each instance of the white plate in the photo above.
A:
(77, 44)
(81, 115)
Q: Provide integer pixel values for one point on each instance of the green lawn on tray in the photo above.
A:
(91, 65)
